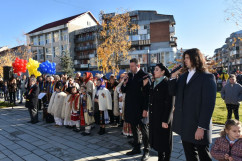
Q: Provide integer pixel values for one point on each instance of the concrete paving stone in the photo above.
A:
(93, 146)
(182, 157)
(2, 147)
(7, 152)
(2, 156)
(50, 157)
(175, 154)
(22, 152)
(45, 146)
(13, 147)
(38, 143)
(26, 145)
(32, 157)
(15, 157)
(6, 159)
(6, 142)
(39, 152)
(93, 141)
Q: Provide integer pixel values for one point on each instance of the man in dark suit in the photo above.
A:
(31, 96)
(136, 107)
(195, 92)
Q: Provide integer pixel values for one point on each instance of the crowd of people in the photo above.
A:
(148, 108)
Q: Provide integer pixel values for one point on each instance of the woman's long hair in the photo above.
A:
(197, 60)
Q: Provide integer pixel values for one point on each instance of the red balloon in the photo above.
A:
(19, 74)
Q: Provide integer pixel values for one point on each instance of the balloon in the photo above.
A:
(32, 67)
(47, 68)
(19, 66)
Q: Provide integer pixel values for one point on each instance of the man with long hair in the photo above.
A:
(195, 92)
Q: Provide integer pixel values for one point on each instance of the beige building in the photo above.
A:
(56, 38)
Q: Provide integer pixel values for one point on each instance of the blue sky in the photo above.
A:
(199, 23)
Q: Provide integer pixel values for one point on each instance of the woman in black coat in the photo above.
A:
(160, 113)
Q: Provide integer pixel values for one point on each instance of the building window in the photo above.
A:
(41, 40)
(35, 40)
(56, 36)
(88, 23)
(64, 35)
(48, 38)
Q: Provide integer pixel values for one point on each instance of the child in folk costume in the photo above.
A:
(102, 103)
(66, 110)
(75, 113)
(56, 104)
(229, 145)
(85, 111)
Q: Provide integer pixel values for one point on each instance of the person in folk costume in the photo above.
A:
(85, 111)
(87, 77)
(224, 77)
(48, 87)
(71, 83)
(127, 131)
(56, 79)
(56, 104)
(102, 103)
(31, 96)
(160, 113)
(118, 100)
(66, 110)
(73, 100)
(63, 83)
(111, 86)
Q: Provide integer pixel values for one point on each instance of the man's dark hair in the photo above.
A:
(197, 60)
(134, 60)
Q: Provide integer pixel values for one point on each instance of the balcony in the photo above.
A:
(81, 65)
(172, 29)
(87, 56)
(173, 42)
(88, 47)
(83, 39)
(141, 42)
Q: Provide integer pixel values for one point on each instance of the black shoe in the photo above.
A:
(129, 137)
(145, 156)
(133, 152)
(102, 131)
(20, 102)
(85, 133)
(77, 129)
(34, 122)
(131, 143)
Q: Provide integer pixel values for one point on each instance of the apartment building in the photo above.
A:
(53, 39)
(152, 43)
(229, 56)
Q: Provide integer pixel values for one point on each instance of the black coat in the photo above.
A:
(136, 99)
(160, 110)
(194, 106)
(32, 96)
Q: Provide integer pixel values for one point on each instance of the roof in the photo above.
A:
(59, 22)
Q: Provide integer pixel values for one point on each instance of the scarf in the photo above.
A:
(88, 77)
(158, 80)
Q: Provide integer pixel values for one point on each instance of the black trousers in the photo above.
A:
(232, 108)
(12, 97)
(194, 152)
(145, 136)
(33, 112)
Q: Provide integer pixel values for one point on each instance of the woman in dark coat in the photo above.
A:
(160, 113)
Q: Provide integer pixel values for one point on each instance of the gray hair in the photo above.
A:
(33, 79)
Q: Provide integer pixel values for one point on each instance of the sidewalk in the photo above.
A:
(20, 140)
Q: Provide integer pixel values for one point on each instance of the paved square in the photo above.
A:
(20, 140)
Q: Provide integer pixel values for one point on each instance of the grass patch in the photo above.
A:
(5, 104)
(220, 111)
